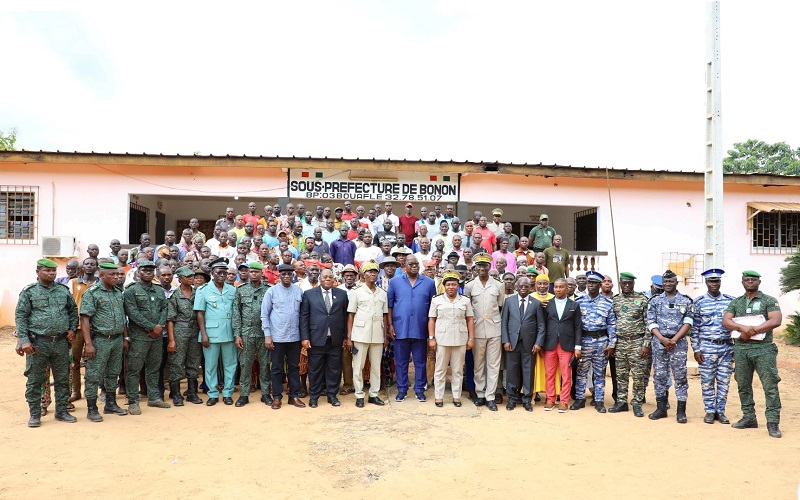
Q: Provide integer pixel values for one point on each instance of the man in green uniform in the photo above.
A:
(103, 328)
(760, 314)
(249, 337)
(46, 318)
(146, 308)
(183, 347)
(633, 344)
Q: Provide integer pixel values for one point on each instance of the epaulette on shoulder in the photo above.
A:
(728, 296)
(438, 294)
(28, 287)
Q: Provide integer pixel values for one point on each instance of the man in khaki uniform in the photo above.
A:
(486, 295)
(368, 310)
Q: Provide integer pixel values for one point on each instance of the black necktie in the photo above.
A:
(328, 300)
(522, 309)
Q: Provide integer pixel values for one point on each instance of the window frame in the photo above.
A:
(10, 214)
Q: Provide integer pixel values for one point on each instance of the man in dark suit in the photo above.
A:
(521, 323)
(561, 339)
(323, 327)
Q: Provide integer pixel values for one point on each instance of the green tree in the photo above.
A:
(789, 282)
(8, 141)
(754, 156)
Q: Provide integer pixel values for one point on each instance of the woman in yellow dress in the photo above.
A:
(543, 295)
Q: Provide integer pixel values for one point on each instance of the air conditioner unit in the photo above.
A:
(59, 246)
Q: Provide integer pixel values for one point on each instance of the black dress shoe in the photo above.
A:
(360, 403)
(510, 405)
(243, 400)
(527, 406)
(375, 400)
(473, 396)
(491, 405)
(334, 401)
(722, 418)
(312, 402)
(479, 401)
(457, 404)
(212, 401)
(536, 397)
(267, 400)
(498, 398)
(439, 404)
(227, 400)
(303, 393)
(709, 418)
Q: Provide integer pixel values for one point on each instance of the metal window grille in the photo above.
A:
(585, 227)
(775, 232)
(687, 266)
(19, 215)
(139, 222)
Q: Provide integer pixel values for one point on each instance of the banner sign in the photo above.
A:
(337, 185)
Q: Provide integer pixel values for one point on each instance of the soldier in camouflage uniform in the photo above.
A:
(103, 329)
(752, 355)
(669, 318)
(183, 348)
(46, 318)
(713, 347)
(633, 344)
(146, 308)
(249, 337)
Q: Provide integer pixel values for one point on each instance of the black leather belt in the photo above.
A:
(595, 334)
(720, 341)
(106, 335)
(51, 338)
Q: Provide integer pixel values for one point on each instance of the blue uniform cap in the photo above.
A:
(594, 276)
(712, 274)
(657, 280)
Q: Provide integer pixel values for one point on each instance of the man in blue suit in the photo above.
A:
(521, 322)
(409, 298)
(323, 328)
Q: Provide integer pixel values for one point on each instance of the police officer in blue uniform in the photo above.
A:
(713, 347)
(214, 305)
(669, 319)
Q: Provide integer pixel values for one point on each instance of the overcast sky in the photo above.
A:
(590, 84)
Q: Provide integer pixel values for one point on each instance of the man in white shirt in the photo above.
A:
(389, 215)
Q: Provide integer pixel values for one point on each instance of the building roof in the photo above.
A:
(387, 164)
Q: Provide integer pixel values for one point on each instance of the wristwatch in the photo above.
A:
(431, 338)
(127, 339)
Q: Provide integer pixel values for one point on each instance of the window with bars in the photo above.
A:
(774, 231)
(19, 215)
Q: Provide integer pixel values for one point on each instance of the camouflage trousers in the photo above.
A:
(185, 361)
(674, 361)
(143, 353)
(56, 355)
(764, 361)
(715, 375)
(630, 363)
(592, 356)
(104, 366)
(254, 347)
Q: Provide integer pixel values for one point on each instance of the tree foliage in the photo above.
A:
(790, 281)
(754, 156)
(8, 140)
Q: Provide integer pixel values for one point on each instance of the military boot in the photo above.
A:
(92, 414)
(158, 403)
(680, 416)
(191, 395)
(64, 416)
(773, 429)
(746, 423)
(35, 421)
(637, 410)
(111, 407)
(661, 409)
(578, 404)
(175, 390)
(618, 407)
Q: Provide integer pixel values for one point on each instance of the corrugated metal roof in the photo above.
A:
(771, 206)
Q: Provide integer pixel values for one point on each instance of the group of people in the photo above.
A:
(325, 317)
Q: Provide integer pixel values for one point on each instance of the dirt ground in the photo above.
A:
(407, 449)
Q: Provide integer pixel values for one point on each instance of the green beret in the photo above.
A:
(256, 265)
(752, 274)
(47, 263)
(627, 276)
(184, 272)
(108, 265)
(532, 269)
